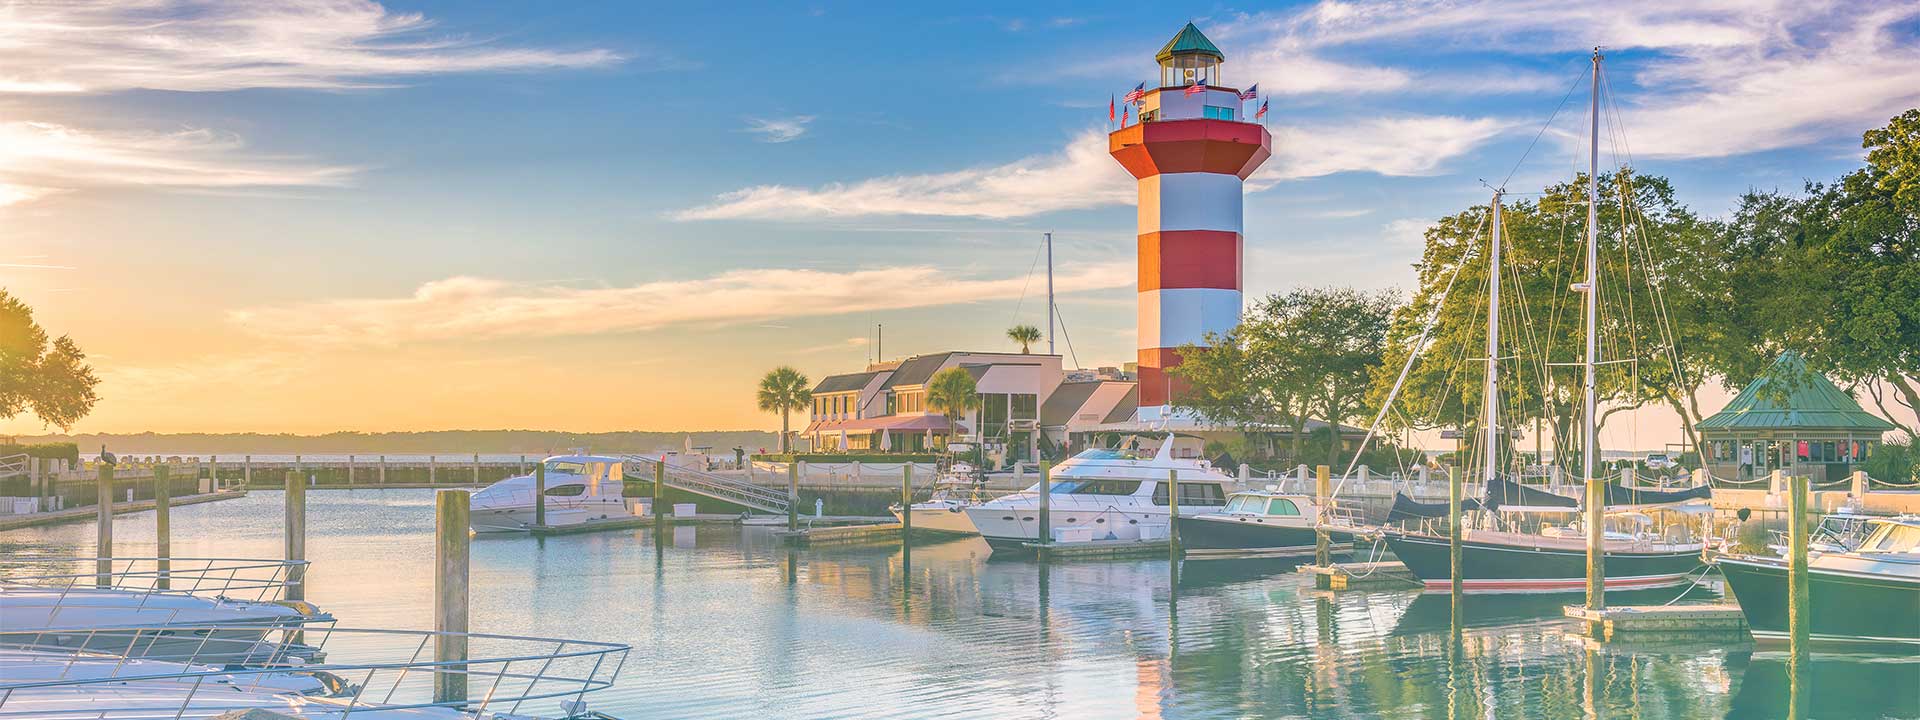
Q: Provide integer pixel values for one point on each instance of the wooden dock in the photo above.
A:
(1097, 549)
(840, 534)
(89, 512)
(1667, 622)
(1361, 575)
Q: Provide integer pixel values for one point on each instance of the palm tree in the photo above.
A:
(784, 390)
(951, 392)
(1026, 335)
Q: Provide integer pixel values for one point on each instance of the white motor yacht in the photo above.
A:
(1103, 495)
(580, 488)
(957, 489)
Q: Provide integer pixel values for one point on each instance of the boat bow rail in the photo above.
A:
(229, 578)
(706, 484)
(392, 670)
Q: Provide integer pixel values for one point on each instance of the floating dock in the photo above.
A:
(1095, 549)
(1361, 575)
(90, 512)
(1667, 622)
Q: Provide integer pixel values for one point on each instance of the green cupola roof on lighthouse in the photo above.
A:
(1189, 41)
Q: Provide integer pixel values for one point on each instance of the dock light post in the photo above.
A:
(103, 536)
(1045, 532)
(162, 525)
(296, 529)
(452, 512)
(1322, 484)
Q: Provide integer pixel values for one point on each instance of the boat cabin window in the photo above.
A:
(1093, 487)
(566, 491)
(570, 468)
(1246, 504)
(1282, 506)
(1197, 494)
(1895, 539)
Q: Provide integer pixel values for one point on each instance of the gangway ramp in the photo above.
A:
(706, 484)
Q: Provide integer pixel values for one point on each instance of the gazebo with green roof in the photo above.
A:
(1793, 420)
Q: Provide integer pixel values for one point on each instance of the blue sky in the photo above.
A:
(453, 212)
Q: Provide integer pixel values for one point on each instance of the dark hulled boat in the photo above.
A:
(1260, 523)
(1870, 594)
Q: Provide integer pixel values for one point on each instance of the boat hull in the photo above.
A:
(1505, 568)
(1845, 607)
(517, 518)
(948, 519)
(1224, 535)
(1008, 528)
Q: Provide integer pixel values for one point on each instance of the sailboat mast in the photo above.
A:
(1050, 294)
(1490, 420)
(1596, 500)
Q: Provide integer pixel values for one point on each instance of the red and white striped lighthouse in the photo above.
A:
(1190, 152)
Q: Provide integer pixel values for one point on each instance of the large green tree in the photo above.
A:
(50, 379)
(1305, 354)
(952, 393)
(1833, 273)
(1659, 269)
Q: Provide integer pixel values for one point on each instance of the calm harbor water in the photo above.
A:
(724, 622)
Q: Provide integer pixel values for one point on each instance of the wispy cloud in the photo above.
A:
(482, 308)
(213, 45)
(40, 159)
(847, 344)
(1082, 175)
(1407, 232)
(779, 130)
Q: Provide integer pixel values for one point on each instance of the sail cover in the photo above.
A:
(1618, 494)
(1405, 508)
(1501, 491)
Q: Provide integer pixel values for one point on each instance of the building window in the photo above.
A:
(993, 416)
(1026, 406)
(1218, 113)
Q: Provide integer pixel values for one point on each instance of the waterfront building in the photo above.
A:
(1190, 153)
(1794, 420)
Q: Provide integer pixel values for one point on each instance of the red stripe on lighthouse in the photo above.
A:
(1190, 259)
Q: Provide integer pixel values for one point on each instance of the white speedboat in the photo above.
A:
(227, 631)
(1103, 495)
(957, 489)
(580, 488)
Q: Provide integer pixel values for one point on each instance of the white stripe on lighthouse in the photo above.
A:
(1179, 316)
(1190, 201)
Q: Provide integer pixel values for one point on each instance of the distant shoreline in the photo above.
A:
(439, 442)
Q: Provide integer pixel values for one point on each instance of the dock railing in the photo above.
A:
(502, 674)
(700, 482)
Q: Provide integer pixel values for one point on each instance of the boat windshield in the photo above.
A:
(565, 467)
(1894, 538)
(1092, 487)
(1246, 504)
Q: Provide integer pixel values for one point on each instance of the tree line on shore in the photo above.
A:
(1831, 272)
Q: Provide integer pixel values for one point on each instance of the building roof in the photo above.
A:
(1123, 410)
(1189, 41)
(1066, 400)
(1789, 397)
(917, 370)
(846, 382)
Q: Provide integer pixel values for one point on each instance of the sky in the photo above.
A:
(346, 215)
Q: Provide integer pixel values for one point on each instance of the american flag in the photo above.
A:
(1124, 111)
(1262, 112)
(1109, 108)
(1138, 93)
(1198, 86)
(1251, 92)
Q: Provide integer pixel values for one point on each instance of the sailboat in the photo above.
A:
(1628, 551)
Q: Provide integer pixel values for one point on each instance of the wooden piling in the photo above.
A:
(793, 495)
(296, 531)
(452, 514)
(540, 495)
(1798, 617)
(906, 504)
(1044, 532)
(162, 525)
(432, 470)
(1173, 517)
(1322, 487)
(103, 534)
(246, 471)
(383, 469)
(350, 464)
(1453, 538)
(660, 496)
(1596, 541)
